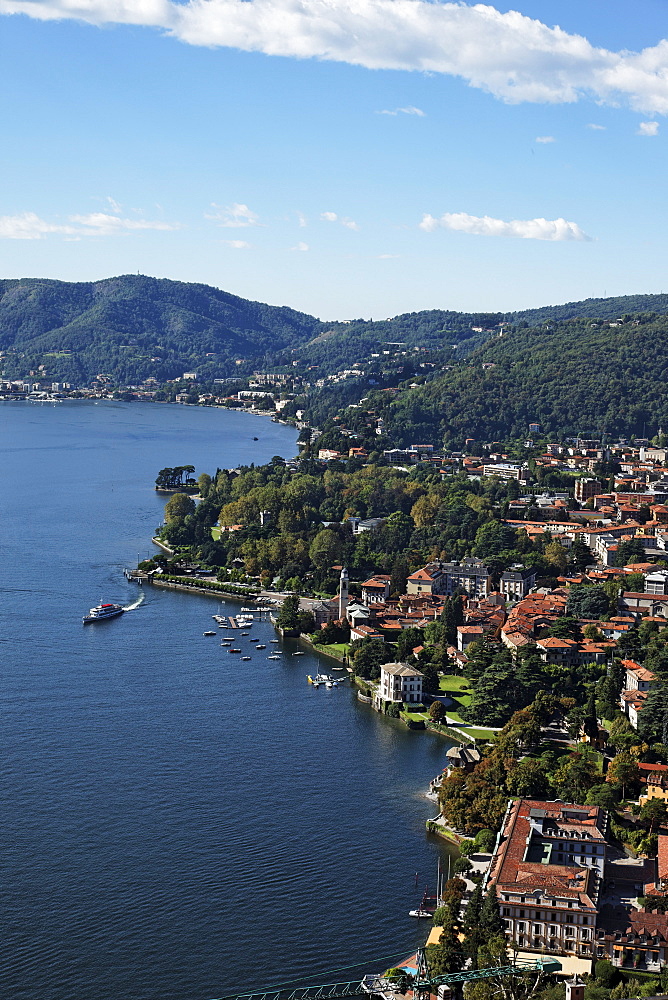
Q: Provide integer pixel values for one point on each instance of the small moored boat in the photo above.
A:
(209, 633)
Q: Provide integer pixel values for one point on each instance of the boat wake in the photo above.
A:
(131, 607)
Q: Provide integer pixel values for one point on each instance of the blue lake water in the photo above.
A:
(175, 823)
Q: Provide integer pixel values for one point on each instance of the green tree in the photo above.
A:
(179, 506)
(653, 720)
(473, 934)
(602, 795)
(575, 776)
(654, 812)
(325, 549)
(430, 679)
(581, 556)
(606, 974)
(409, 638)
(490, 916)
(437, 712)
(204, 483)
(368, 656)
(632, 551)
(529, 779)
(288, 615)
(623, 771)
(587, 602)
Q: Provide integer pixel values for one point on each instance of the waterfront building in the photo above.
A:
(547, 871)
(399, 683)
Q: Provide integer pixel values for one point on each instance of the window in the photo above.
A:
(521, 913)
(536, 928)
(520, 926)
(506, 911)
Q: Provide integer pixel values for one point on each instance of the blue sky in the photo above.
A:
(351, 158)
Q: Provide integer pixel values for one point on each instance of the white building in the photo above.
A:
(399, 682)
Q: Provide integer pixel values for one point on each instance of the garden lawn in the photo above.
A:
(337, 649)
(458, 689)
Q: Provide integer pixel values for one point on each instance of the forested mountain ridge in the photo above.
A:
(132, 327)
(575, 377)
(457, 332)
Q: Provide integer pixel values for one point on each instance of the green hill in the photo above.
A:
(574, 377)
(133, 326)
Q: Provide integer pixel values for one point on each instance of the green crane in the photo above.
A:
(422, 985)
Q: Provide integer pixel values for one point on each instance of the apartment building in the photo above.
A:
(547, 872)
(470, 575)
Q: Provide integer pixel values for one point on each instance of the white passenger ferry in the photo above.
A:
(103, 611)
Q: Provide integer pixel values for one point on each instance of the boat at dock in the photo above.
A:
(420, 914)
(326, 679)
(102, 611)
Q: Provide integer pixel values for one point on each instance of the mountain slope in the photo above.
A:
(575, 377)
(132, 327)
(119, 324)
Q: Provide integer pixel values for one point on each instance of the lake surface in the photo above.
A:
(175, 823)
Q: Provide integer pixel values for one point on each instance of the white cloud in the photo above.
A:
(238, 244)
(410, 110)
(113, 205)
(234, 216)
(597, 128)
(301, 246)
(508, 54)
(101, 224)
(29, 226)
(526, 229)
(545, 138)
(341, 219)
(388, 256)
(648, 128)
(302, 220)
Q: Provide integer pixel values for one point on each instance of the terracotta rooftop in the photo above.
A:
(511, 873)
